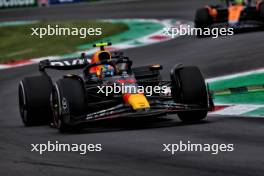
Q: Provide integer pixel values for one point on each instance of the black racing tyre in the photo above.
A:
(202, 18)
(68, 101)
(34, 106)
(188, 87)
(261, 11)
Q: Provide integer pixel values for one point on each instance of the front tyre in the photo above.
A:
(68, 102)
(188, 87)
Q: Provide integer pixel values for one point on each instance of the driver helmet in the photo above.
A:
(101, 56)
(102, 70)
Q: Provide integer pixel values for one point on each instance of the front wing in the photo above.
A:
(158, 109)
(242, 26)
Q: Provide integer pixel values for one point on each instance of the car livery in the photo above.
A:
(243, 16)
(74, 100)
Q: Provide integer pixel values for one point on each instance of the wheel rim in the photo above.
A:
(55, 106)
(55, 110)
(22, 102)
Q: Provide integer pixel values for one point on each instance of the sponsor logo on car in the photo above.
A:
(70, 62)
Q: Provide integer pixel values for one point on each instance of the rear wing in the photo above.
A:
(64, 64)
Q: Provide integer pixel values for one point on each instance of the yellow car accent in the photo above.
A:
(102, 44)
(138, 101)
(156, 66)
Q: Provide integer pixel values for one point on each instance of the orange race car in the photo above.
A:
(241, 15)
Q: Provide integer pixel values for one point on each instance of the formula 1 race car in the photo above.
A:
(79, 99)
(241, 15)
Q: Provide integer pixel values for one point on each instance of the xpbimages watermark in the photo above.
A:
(64, 31)
(56, 146)
(182, 30)
(188, 146)
(124, 89)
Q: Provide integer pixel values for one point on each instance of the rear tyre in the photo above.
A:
(34, 106)
(261, 11)
(188, 87)
(202, 19)
(68, 102)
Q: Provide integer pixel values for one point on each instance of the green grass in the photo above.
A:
(248, 80)
(241, 98)
(256, 97)
(16, 42)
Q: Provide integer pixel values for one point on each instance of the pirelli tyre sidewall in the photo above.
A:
(68, 101)
(188, 87)
(34, 106)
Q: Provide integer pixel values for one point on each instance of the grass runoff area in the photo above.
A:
(18, 43)
(250, 89)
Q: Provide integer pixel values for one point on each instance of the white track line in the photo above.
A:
(231, 76)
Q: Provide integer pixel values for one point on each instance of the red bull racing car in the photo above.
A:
(77, 99)
(241, 15)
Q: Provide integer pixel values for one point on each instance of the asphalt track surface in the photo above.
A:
(136, 148)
